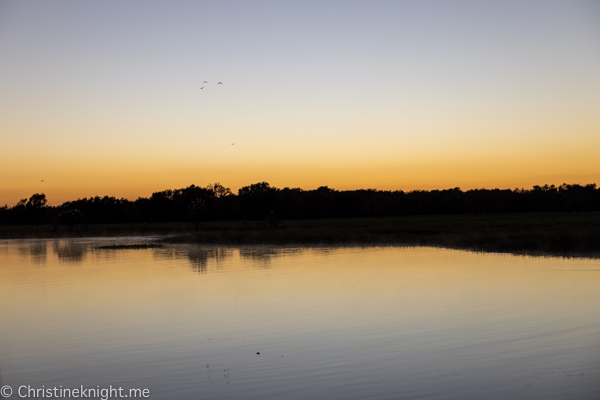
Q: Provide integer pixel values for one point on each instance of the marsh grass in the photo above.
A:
(536, 233)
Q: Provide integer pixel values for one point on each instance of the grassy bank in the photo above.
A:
(539, 233)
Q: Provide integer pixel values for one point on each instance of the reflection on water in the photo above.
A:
(199, 257)
(279, 322)
(261, 256)
(78, 251)
(35, 252)
(70, 251)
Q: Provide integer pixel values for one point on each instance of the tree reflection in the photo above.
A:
(200, 257)
(69, 251)
(261, 257)
(34, 252)
(38, 253)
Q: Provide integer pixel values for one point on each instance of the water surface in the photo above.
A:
(190, 322)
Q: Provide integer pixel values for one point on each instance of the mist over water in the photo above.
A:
(256, 322)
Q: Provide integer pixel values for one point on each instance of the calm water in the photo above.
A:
(188, 322)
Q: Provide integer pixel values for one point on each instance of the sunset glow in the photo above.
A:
(104, 98)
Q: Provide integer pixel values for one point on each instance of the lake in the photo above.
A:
(198, 322)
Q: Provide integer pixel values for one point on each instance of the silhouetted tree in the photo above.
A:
(258, 200)
(36, 207)
(218, 190)
(70, 218)
(197, 211)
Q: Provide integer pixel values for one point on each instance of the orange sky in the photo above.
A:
(398, 96)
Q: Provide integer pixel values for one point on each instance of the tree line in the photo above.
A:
(260, 201)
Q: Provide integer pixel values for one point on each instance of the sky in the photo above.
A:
(104, 97)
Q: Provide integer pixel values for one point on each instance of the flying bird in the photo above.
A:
(232, 144)
(220, 83)
(202, 87)
(205, 82)
(42, 180)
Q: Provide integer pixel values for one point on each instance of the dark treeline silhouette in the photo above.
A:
(260, 201)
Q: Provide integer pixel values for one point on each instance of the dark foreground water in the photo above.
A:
(188, 322)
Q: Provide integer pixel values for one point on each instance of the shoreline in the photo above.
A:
(536, 234)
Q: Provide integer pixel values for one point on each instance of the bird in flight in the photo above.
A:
(232, 144)
(205, 82)
(201, 87)
(42, 180)
(220, 83)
